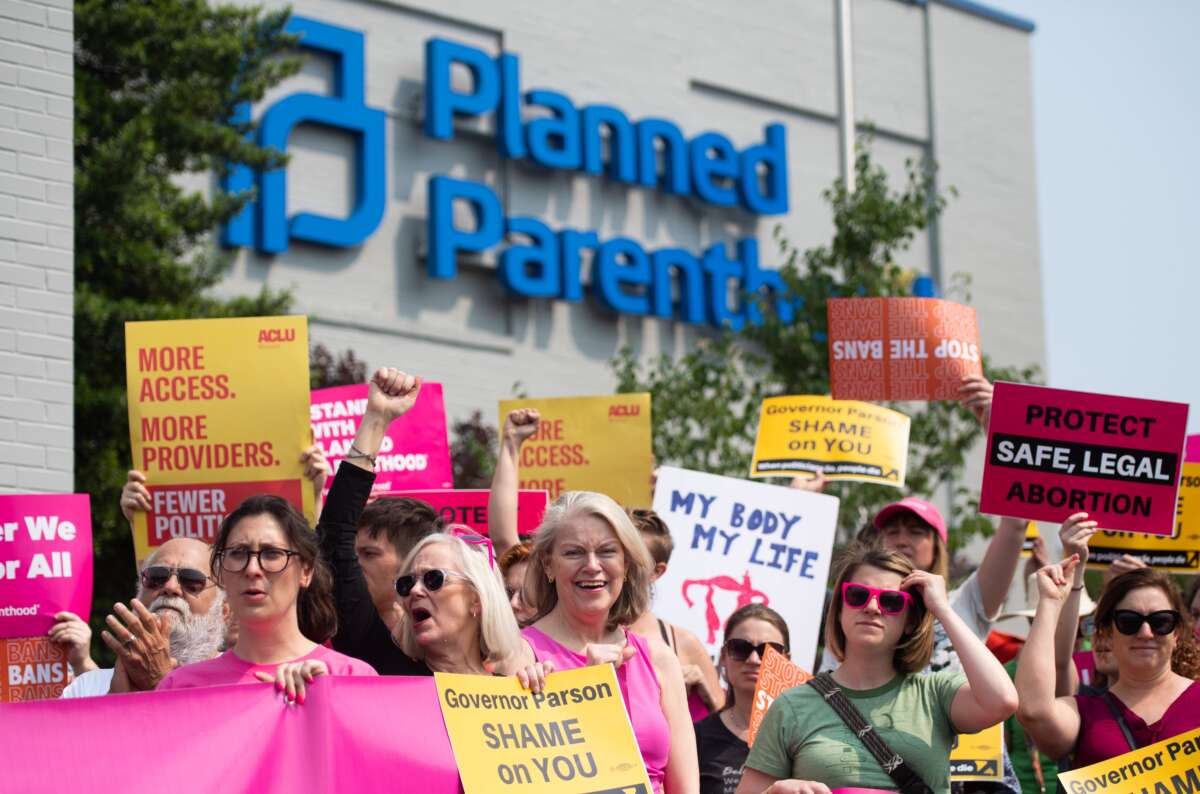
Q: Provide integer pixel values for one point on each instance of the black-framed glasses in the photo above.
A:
(740, 650)
(433, 580)
(270, 559)
(1162, 622)
(191, 581)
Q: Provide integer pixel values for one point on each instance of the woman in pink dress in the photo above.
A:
(280, 593)
(589, 579)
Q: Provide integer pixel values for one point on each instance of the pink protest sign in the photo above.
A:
(470, 507)
(1191, 453)
(415, 452)
(1053, 452)
(366, 735)
(45, 561)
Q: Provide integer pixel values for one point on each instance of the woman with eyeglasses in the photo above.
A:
(1142, 617)
(589, 579)
(279, 591)
(880, 627)
(721, 737)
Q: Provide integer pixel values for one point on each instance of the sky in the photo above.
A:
(1117, 133)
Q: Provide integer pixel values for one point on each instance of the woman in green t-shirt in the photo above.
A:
(880, 627)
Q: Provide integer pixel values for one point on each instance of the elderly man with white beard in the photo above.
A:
(178, 617)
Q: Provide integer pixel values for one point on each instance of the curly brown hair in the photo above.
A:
(1185, 660)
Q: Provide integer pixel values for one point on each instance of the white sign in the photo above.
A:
(739, 542)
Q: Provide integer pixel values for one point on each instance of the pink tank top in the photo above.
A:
(639, 689)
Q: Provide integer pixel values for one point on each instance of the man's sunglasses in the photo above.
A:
(891, 602)
(740, 650)
(1162, 622)
(191, 580)
(433, 580)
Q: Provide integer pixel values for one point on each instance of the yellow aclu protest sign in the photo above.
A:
(218, 411)
(1177, 553)
(1167, 767)
(844, 439)
(978, 756)
(589, 444)
(573, 737)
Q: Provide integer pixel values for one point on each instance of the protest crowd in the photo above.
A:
(385, 586)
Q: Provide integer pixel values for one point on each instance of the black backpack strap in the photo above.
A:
(1111, 702)
(907, 781)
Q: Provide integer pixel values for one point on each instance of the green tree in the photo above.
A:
(706, 403)
(155, 82)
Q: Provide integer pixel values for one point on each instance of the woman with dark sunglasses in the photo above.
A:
(880, 628)
(1142, 618)
(279, 591)
(721, 737)
(457, 616)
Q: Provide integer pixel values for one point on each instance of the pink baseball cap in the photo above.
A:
(918, 507)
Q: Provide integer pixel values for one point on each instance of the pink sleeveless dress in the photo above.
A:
(639, 689)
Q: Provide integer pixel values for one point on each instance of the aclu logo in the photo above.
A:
(616, 411)
(271, 336)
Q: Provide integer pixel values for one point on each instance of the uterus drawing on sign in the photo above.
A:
(744, 590)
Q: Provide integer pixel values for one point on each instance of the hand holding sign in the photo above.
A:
(975, 394)
(74, 635)
(134, 495)
(1075, 533)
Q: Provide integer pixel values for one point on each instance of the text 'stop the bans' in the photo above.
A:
(1053, 452)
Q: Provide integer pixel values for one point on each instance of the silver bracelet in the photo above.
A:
(355, 452)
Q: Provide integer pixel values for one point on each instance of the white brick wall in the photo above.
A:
(36, 246)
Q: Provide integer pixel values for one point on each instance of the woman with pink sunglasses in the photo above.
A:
(880, 628)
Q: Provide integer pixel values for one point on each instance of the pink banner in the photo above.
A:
(365, 735)
(1191, 452)
(415, 452)
(1053, 452)
(470, 507)
(45, 561)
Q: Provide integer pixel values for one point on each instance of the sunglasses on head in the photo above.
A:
(191, 580)
(433, 580)
(1162, 622)
(468, 535)
(891, 602)
(740, 650)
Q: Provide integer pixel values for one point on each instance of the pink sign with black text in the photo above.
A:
(469, 506)
(45, 561)
(1053, 452)
(415, 452)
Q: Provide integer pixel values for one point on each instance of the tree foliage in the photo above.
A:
(706, 402)
(155, 82)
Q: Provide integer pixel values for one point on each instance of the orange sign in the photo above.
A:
(901, 348)
(32, 669)
(776, 674)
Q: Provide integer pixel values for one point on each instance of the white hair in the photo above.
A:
(499, 635)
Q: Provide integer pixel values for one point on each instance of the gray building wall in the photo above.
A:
(706, 66)
(36, 246)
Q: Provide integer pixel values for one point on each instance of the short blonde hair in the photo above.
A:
(915, 649)
(499, 636)
(634, 599)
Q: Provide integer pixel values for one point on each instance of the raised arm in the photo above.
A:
(999, 565)
(1075, 533)
(519, 426)
(390, 394)
(1052, 723)
(988, 696)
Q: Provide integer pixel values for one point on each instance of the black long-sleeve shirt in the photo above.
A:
(361, 633)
